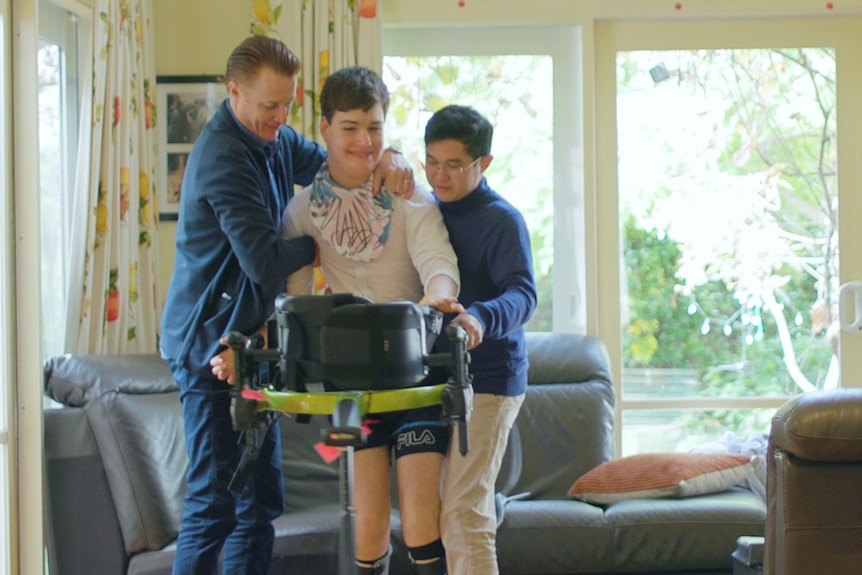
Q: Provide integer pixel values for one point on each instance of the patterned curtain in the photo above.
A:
(120, 311)
(326, 35)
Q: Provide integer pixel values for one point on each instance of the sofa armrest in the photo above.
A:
(83, 532)
(133, 408)
(814, 467)
(823, 425)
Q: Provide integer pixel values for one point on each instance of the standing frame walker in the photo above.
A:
(343, 356)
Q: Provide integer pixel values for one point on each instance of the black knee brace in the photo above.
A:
(376, 567)
(432, 557)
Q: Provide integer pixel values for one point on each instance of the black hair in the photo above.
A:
(351, 88)
(463, 124)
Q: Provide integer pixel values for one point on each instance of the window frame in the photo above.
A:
(7, 448)
(564, 45)
(22, 303)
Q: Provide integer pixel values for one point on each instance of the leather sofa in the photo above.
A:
(814, 473)
(116, 461)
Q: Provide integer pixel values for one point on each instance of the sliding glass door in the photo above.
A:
(726, 152)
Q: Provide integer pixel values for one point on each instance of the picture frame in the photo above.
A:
(185, 104)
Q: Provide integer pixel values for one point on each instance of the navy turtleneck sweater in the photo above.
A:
(492, 243)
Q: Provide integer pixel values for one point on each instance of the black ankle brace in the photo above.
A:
(379, 566)
(429, 559)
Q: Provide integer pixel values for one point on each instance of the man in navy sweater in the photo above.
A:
(231, 263)
(498, 293)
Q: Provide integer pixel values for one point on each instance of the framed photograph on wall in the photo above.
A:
(185, 104)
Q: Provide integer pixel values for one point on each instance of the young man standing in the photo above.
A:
(385, 248)
(492, 243)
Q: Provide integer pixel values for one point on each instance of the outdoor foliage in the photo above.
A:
(731, 245)
(727, 168)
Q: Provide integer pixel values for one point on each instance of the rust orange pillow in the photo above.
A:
(653, 475)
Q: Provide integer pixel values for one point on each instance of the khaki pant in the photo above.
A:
(468, 521)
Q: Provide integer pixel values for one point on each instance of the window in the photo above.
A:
(522, 81)
(729, 212)
(725, 192)
(62, 71)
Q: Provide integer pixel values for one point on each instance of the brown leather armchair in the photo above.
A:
(814, 485)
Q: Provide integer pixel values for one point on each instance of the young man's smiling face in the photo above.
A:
(451, 171)
(262, 103)
(354, 144)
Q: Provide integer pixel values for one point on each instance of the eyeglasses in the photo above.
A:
(449, 168)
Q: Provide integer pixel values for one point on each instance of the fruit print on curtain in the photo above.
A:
(120, 310)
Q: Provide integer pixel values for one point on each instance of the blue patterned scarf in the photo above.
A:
(354, 222)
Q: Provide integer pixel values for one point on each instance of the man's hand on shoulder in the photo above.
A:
(394, 170)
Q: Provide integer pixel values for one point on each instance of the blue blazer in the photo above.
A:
(231, 261)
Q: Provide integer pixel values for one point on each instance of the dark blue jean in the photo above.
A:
(214, 518)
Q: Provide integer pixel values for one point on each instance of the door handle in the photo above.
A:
(850, 306)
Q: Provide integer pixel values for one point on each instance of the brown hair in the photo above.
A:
(352, 88)
(255, 52)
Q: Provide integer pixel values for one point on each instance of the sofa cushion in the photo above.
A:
(688, 535)
(652, 475)
(565, 426)
(559, 536)
(691, 535)
(567, 358)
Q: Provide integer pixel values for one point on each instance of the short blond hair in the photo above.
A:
(254, 52)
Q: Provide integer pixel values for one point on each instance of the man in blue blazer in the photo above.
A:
(231, 263)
